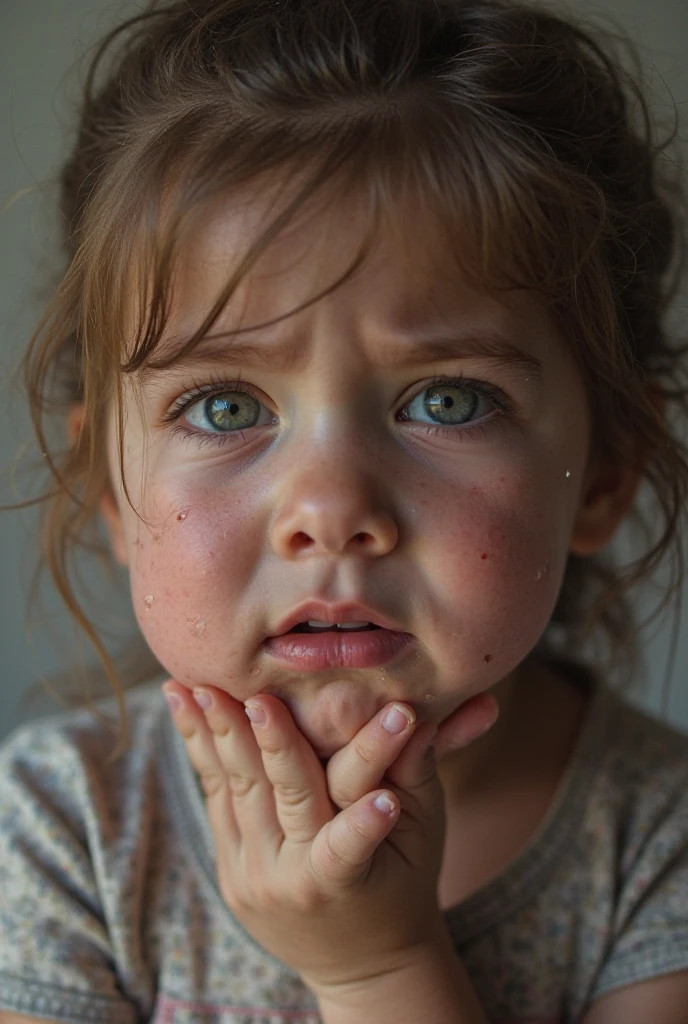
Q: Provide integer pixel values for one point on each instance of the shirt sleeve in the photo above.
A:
(650, 930)
(56, 959)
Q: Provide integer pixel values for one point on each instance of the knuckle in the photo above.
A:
(219, 725)
(333, 853)
(211, 782)
(341, 795)
(293, 797)
(187, 727)
(276, 746)
(366, 753)
(241, 786)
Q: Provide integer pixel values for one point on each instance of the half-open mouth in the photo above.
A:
(304, 627)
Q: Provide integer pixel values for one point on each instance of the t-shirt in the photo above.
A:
(110, 911)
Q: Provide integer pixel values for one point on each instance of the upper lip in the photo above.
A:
(318, 611)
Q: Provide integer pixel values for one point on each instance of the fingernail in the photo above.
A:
(256, 714)
(384, 804)
(173, 702)
(203, 699)
(397, 719)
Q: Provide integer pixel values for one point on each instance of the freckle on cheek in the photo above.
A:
(488, 657)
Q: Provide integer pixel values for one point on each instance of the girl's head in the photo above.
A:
(363, 198)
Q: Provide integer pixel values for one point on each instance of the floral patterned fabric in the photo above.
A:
(110, 913)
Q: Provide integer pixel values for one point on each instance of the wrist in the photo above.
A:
(430, 983)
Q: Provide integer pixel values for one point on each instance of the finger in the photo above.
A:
(462, 727)
(252, 799)
(358, 767)
(200, 746)
(341, 851)
(300, 792)
(472, 720)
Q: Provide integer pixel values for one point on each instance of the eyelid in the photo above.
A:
(215, 383)
(504, 407)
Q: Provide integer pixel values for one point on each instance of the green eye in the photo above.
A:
(225, 411)
(448, 405)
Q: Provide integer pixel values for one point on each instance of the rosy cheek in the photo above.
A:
(184, 579)
(495, 563)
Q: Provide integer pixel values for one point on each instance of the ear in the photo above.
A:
(107, 505)
(607, 495)
(606, 498)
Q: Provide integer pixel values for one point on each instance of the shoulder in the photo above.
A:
(59, 765)
(643, 774)
(75, 831)
(637, 828)
(86, 730)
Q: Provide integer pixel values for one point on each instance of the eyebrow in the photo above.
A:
(486, 343)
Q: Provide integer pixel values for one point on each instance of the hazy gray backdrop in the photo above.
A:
(40, 41)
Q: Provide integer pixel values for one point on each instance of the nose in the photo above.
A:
(326, 511)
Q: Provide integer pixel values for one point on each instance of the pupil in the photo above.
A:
(226, 414)
(446, 408)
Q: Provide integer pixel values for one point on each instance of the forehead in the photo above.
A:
(408, 280)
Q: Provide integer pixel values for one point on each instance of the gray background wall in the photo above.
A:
(40, 40)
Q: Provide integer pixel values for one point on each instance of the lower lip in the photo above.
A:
(315, 651)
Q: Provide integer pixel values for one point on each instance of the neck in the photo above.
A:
(473, 768)
(539, 708)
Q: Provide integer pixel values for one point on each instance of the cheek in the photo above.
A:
(496, 561)
(187, 577)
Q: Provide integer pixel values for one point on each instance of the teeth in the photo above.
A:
(341, 625)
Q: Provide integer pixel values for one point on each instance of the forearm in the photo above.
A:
(434, 988)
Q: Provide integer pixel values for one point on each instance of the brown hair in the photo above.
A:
(511, 121)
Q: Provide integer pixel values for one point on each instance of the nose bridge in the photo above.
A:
(333, 495)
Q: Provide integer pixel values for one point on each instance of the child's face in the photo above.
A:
(466, 534)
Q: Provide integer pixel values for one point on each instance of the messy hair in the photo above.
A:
(518, 128)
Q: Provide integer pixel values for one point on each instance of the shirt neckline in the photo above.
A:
(520, 881)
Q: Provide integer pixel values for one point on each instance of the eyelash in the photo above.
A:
(217, 386)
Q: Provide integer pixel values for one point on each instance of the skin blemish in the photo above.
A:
(198, 626)
(483, 556)
(429, 696)
(181, 516)
(488, 657)
(148, 601)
